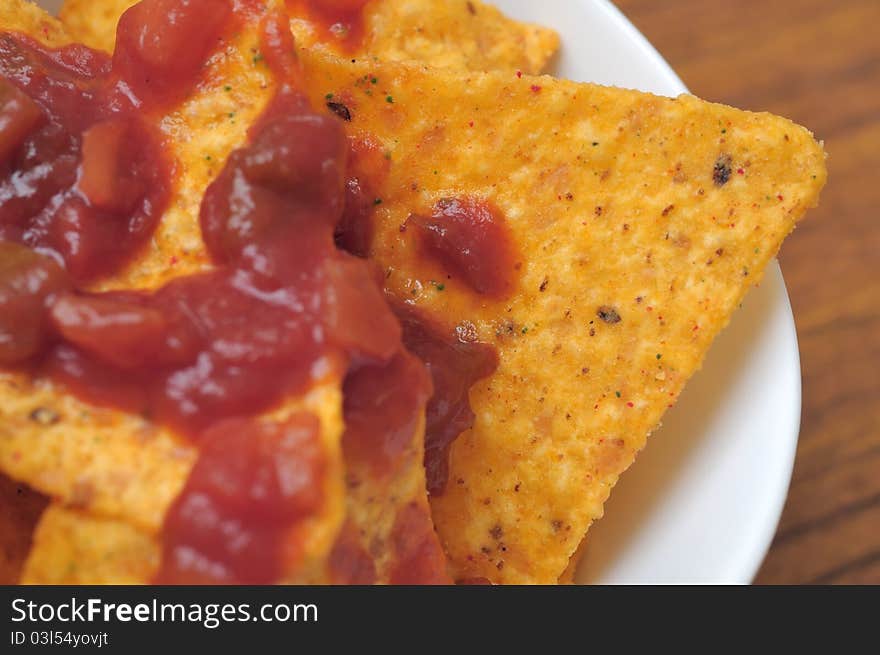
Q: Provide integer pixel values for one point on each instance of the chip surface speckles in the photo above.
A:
(635, 255)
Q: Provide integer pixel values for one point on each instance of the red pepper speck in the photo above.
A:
(519, 74)
(471, 124)
(172, 261)
(536, 88)
(740, 171)
(780, 197)
(630, 404)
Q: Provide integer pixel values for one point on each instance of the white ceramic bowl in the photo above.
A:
(702, 502)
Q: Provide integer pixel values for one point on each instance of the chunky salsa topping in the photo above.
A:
(84, 179)
(368, 168)
(416, 558)
(29, 283)
(238, 520)
(470, 238)
(383, 404)
(162, 46)
(83, 175)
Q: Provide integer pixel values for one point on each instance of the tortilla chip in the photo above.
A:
(93, 22)
(118, 466)
(20, 509)
(453, 33)
(72, 547)
(75, 547)
(459, 34)
(642, 221)
(92, 541)
(367, 551)
(24, 16)
(100, 460)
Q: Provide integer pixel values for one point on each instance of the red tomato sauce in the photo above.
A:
(455, 366)
(83, 175)
(417, 559)
(470, 238)
(339, 22)
(383, 404)
(162, 47)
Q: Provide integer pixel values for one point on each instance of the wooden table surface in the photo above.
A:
(818, 63)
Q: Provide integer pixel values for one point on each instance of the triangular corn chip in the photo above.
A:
(641, 222)
(74, 547)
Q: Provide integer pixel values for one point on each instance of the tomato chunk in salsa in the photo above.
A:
(470, 238)
(236, 520)
(162, 46)
(83, 173)
(29, 283)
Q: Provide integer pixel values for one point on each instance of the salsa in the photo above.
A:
(350, 563)
(455, 366)
(383, 405)
(65, 127)
(471, 239)
(368, 168)
(162, 46)
(238, 519)
(84, 179)
(29, 283)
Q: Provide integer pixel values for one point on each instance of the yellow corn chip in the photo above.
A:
(460, 34)
(25, 16)
(641, 222)
(72, 547)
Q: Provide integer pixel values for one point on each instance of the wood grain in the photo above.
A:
(818, 63)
